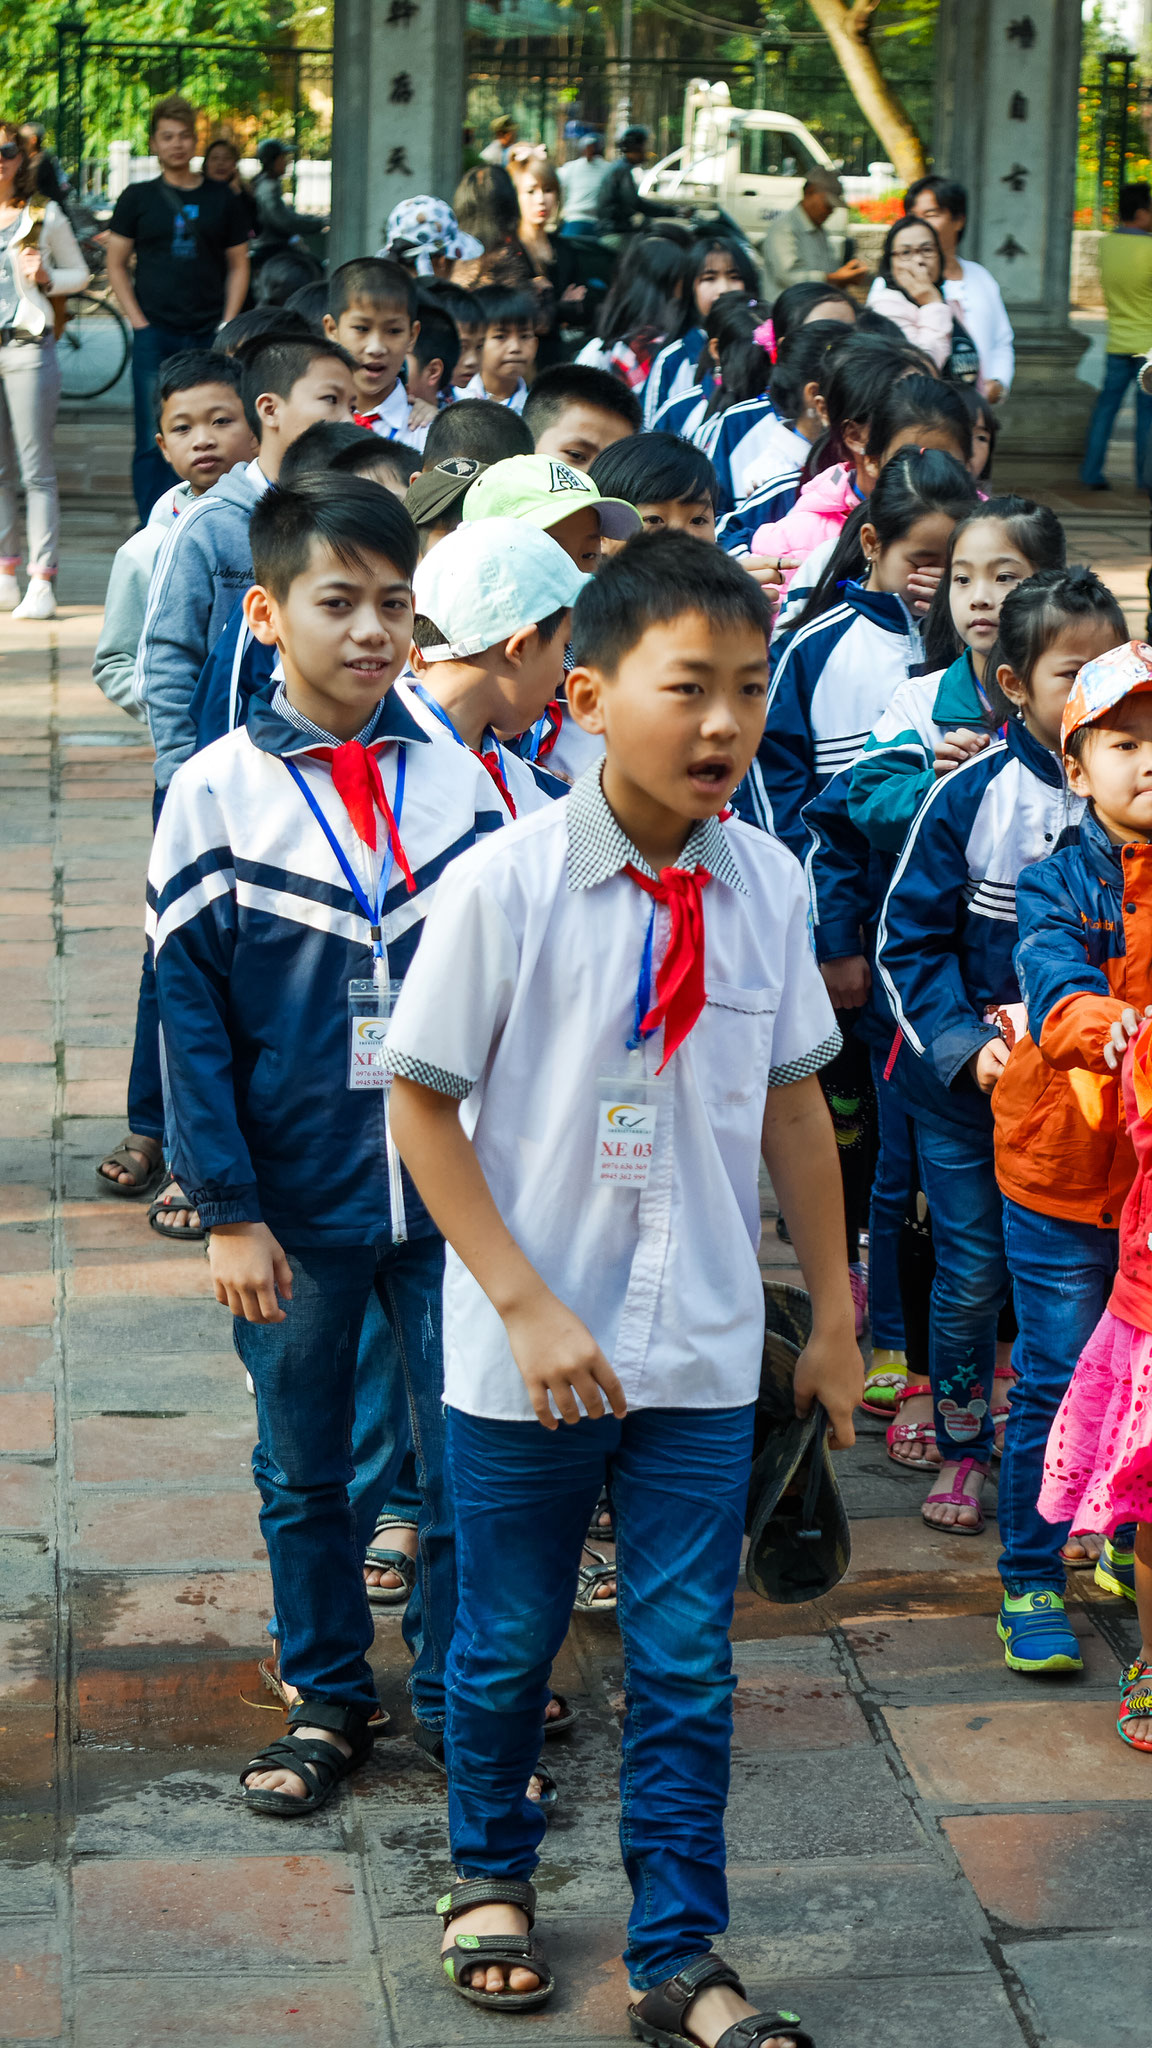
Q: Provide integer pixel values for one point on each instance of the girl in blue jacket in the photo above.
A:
(720, 264)
(830, 683)
(944, 958)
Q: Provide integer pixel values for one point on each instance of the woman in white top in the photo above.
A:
(967, 285)
(39, 258)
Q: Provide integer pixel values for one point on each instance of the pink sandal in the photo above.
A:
(957, 1498)
(911, 1433)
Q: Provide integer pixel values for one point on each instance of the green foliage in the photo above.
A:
(242, 89)
(803, 78)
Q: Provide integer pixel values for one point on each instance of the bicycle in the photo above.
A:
(93, 339)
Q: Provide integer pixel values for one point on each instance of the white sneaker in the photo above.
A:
(39, 600)
(9, 593)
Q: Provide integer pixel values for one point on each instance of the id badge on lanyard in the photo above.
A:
(630, 1102)
(370, 1005)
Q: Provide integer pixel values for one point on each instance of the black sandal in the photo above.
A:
(592, 1577)
(430, 1742)
(595, 1527)
(659, 2016)
(517, 1951)
(180, 1233)
(397, 1561)
(559, 1724)
(318, 1763)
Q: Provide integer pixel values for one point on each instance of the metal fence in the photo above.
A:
(1115, 134)
(105, 89)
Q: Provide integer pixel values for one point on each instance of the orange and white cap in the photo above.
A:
(1105, 682)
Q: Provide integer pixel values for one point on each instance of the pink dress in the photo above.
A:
(1098, 1464)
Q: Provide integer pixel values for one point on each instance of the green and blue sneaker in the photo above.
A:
(1116, 1572)
(1036, 1634)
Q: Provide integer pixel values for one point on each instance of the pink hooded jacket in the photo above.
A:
(927, 327)
(818, 515)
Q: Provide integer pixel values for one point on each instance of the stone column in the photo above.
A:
(1006, 116)
(398, 108)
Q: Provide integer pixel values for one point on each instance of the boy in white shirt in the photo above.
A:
(614, 1010)
(493, 604)
(508, 350)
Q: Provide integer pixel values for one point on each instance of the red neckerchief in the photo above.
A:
(490, 759)
(358, 783)
(365, 419)
(679, 993)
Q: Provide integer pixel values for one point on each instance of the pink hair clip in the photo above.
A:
(765, 338)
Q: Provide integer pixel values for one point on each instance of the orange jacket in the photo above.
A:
(1085, 954)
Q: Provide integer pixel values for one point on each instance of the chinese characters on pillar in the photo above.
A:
(401, 85)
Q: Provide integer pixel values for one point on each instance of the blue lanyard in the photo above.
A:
(375, 916)
(643, 999)
(439, 712)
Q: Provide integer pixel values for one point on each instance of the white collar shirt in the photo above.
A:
(520, 1002)
(521, 784)
(478, 389)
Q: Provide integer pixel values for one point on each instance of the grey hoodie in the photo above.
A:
(126, 601)
(204, 565)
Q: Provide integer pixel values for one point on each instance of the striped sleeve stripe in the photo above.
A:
(207, 890)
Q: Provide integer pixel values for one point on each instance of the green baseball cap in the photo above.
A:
(542, 491)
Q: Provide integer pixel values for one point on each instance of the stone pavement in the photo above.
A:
(924, 1849)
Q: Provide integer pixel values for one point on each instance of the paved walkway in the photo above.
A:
(924, 1849)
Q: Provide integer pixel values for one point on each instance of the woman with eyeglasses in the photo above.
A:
(909, 291)
(40, 260)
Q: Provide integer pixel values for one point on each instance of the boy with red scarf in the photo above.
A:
(293, 865)
(615, 1009)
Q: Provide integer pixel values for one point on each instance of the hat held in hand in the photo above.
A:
(799, 1541)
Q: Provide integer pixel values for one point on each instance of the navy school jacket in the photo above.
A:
(831, 680)
(255, 935)
(239, 668)
(948, 928)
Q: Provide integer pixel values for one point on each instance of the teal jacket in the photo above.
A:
(894, 773)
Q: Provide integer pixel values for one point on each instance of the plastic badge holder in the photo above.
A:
(370, 1006)
(630, 1105)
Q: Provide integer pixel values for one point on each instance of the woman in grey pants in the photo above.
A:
(39, 259)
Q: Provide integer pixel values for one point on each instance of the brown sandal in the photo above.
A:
(142, 1158)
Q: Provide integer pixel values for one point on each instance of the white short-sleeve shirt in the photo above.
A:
(520, 998)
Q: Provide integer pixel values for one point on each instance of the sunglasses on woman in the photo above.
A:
(8, 150)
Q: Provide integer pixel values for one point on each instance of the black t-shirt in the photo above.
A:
(180, 234)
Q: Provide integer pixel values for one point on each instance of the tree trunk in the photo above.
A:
(846, 28)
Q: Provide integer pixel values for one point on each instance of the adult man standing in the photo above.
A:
(619, 206)
(190, 240)
(580, 181)
(1126, 276)
(967, 285)
(796, 249)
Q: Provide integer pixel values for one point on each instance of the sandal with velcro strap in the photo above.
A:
(379, 1557)
(511, 1951)
(320, 1764)
(659, 2017)
(592, 1577)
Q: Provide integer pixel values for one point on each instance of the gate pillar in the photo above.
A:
(1006, 122)
(398, 109)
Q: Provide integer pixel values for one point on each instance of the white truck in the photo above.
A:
(750, 162)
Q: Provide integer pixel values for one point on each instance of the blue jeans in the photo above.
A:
(892, 1185)
(305, 1371)
(1120, 372)
(1062, 1276)
(383, 1461)
(524, 1498)
(145, 1088)
(151, 346)
(964, 1202)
